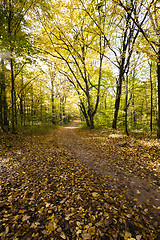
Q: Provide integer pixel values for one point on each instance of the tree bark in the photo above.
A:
(151, 109)
(126, 107)
(3, 101)
(91, 121)
(12, 96)
(52, 99)
(83, 110)
(1, 120)
(21, 103)
(117, 101)
(158, 81)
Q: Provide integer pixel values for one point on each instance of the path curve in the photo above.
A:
(89, 147)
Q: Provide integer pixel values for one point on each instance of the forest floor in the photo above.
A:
(73, 183)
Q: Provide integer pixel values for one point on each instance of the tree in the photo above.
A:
(72, 44)
(15, 39)
(152, 37)
(3, 102)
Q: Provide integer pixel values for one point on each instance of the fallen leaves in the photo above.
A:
(48, 193)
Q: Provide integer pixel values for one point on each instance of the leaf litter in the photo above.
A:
(78, 184)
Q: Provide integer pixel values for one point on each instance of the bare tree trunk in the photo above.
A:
(24, 104)
(32, 110)
(15, 107)
(151, 85)
(83, 110)
(158, 80)
(3, 100)
(52, 99)
(21, 103)
(12, 96)
(60, 109)
(133, 99)
(126, 107)
(91, 122)
(1, 120)
(117, 101)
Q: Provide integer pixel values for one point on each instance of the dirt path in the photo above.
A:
(78, 184)
(93, 150)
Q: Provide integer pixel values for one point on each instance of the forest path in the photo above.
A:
(117, 158)
(77, 184)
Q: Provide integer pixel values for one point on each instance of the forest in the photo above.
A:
(98, 60)
(79, 119)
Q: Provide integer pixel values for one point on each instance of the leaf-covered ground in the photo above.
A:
(79, 184)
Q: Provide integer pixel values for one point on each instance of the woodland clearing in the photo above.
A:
(74, 183)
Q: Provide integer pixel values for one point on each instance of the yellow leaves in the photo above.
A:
(84, 204)
(78, 232)
(52, 225)
(138, 192)
(138, 237)
(128, 236)
(22, 211)
(16, 217)
(92, 218)
(52, 217)
(47, 205)
(25, 218)
(95, 194)
(35, 224)
(106, 194)
(92, 230)
(6, 229)
(62, 235)
(106, 214)
(86, 236)
(135, 199)
(41, 210)
(71, 222)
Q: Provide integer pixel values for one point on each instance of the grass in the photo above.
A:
(39, 129)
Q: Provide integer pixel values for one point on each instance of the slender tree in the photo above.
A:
(151, 35)
(72, 45)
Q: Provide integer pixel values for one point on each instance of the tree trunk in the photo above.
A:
(52, 99)
(158, 80)
(1, 94)
(83, 110)
(60, 110)
(151, 110)
(1, 120)
(12, 96)
(133, 104)
(91, 117)
(91, 121)
(3, 101)
(24, 105)
(117, 102)
(15, 108)
(32, 106)
(21, 110)
(63, 110)
(21, 103)
(126, 107)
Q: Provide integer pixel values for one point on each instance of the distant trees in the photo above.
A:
(103, 53)
(22, 99)
(150, 30)
(73, 44)
(14, 40)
